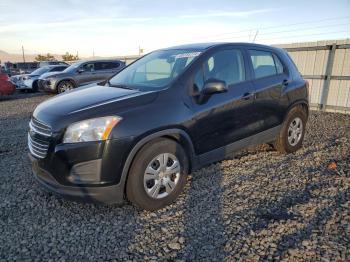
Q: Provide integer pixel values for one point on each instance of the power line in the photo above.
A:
(270, 27)
(285, 31)
(324, 33)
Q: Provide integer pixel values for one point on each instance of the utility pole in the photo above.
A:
(23, 54)
(93, 53)
(257, 31)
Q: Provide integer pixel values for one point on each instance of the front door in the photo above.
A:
(223, 118)
(85, 74)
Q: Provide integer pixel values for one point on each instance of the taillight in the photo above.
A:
(4, 77)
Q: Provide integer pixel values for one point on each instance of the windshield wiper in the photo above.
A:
(120, 86)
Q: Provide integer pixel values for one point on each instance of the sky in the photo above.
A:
(116, 27)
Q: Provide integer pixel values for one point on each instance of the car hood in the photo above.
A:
(45, 75)
(56, 75)
(89, 102)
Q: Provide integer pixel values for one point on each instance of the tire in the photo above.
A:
(64, 86)
(35, 87)
(140, 184)
(291, 135)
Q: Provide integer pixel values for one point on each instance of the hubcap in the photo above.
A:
(295, 131)
(162, 175)
(66, 87)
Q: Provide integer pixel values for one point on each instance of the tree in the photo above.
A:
(69, 57)
(47, 57)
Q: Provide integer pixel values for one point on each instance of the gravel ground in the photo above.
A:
(258, 206)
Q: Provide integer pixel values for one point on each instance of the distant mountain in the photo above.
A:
(5, 57)
(8, 57)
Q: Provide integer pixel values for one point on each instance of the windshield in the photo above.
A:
(72, 67)
(155, 70)
(40, 70)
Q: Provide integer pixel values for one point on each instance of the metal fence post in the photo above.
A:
(328, 74)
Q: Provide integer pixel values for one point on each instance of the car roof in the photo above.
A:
(52, 66)
(99, 60)
(205, 46)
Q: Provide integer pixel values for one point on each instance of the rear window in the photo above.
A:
(265, 63)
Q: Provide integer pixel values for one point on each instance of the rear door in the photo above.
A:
(104, 70)
(222, 118)
(269, 79)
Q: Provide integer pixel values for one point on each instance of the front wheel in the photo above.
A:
(158, 174)
(35, 87)
(292, 133)
(64, 86)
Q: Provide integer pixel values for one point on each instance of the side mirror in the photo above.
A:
(213, 86)
(80, 71)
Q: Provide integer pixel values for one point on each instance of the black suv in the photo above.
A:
(139, 135)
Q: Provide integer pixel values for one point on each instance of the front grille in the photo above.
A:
(37, 147)
(40, 127)
(38, 137)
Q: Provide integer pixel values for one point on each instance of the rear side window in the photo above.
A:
(265, 63)
(106, 65)
(113, 65)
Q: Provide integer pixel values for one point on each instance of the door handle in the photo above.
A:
(247, 96)
(285, 82)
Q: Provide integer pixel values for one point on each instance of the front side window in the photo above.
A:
(226, 65)
(155, 70)
(89, 67)
(265, 63)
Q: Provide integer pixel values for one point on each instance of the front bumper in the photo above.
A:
(47, 85)
(106, 194)
(20, 85)
(88, 171)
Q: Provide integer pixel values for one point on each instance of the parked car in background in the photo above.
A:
(47, 63)
(6, 87)
(17, 80)
(169, 113)
(80, 73)
(30, 81)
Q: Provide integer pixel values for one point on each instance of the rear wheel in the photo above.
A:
(64, 86)
(291, 136)
(158, 174)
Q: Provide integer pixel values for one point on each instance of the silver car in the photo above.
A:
(80, 73)
(30, 81)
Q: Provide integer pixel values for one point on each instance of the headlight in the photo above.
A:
(49, 80)
(95, 129)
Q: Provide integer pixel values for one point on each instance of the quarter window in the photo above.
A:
(265, 63)
(279, 66)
